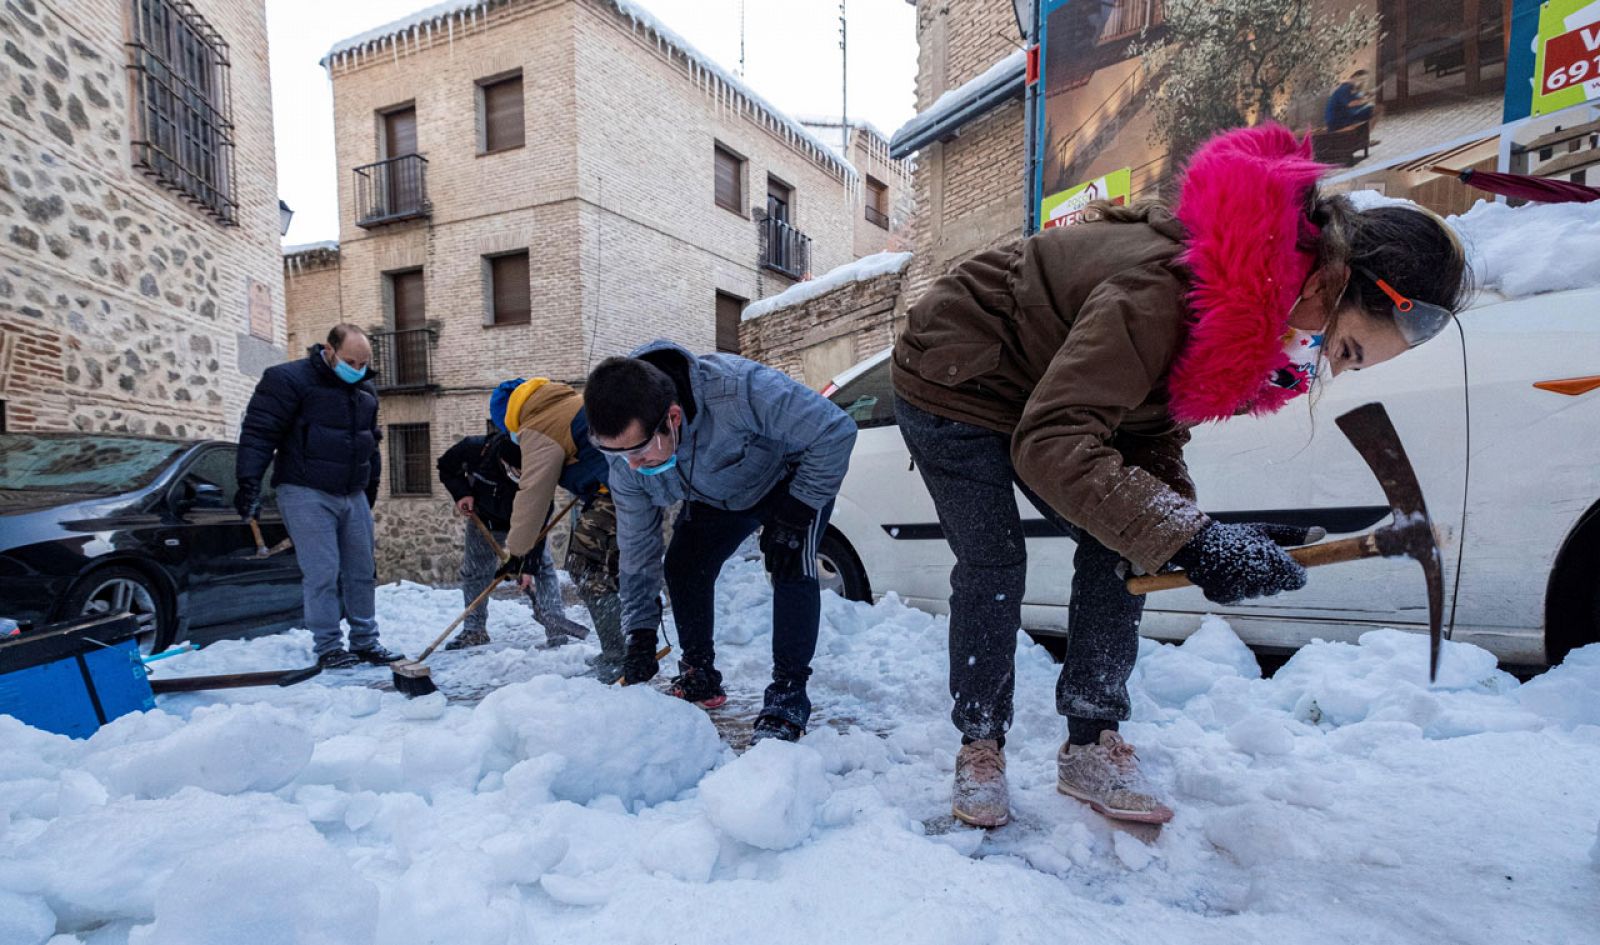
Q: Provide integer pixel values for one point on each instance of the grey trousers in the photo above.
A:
(333, 543)
(478, 565)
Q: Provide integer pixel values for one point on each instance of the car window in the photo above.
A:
(869, 399)
(91, 463)
(215, 467)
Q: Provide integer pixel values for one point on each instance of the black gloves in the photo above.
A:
(1232, 562)
(784, 536)
(513, 567)
(247, 500)
(639, 663)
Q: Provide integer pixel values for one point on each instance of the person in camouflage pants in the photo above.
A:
(592, 563)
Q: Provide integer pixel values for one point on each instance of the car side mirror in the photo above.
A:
(195, 494)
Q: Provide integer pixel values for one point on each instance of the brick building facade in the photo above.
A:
(528, 186)
(140, 281)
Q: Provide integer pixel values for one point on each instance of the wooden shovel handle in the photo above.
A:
(261, 543)
(1311, 556)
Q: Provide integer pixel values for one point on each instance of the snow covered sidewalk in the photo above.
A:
(1342, 800)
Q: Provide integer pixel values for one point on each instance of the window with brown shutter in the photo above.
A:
(730, 180)
(509, 303)
(729, 310)
(877, 202)
(500, 101)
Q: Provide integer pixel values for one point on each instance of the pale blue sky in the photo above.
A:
(791, 59)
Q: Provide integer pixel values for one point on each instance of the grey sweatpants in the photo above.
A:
(333, 543)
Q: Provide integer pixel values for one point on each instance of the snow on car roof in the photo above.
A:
(1516, 252)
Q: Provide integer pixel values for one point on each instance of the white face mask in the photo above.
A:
(1304, 350)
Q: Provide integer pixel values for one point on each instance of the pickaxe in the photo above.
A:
(1410, 535)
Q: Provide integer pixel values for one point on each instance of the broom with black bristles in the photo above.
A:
(413, 678)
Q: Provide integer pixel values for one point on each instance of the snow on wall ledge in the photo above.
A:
(867, 267)
(413, 33)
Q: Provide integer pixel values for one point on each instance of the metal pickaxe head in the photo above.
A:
(1411, 535)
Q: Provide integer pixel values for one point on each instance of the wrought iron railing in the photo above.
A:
(403, 359)
(393, 190)
(785, 249)
(877, 217)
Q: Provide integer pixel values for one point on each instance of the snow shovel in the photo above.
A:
(1411, 535)
(271, 677)
(413, 678)
(488, 536)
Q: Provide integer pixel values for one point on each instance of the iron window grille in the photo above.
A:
(409, 453)
(183, 134)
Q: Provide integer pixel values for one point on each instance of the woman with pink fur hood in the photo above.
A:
(1073, 363)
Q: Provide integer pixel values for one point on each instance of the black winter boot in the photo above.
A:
(703, 687)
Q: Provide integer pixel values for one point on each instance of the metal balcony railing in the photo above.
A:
(877, 217)
(393, 190)
(785, 249)
(403, 359)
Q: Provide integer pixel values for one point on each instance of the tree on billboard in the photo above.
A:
(1226, 63)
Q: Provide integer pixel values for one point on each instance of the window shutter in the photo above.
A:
(508, 277)
(502, 114)
(409, 306)
(729, 309)
(728, 183)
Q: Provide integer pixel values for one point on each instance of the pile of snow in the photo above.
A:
(1010, 69)
(862, 270)
(1342, 799)
(1516, 252)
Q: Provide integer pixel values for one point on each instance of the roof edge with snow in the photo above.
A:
(1004, 80)
(408, 34)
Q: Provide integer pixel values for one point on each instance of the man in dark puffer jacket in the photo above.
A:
(319, 415)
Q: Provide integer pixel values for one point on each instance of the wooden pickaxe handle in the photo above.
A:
(261, 543)
(1311, 556)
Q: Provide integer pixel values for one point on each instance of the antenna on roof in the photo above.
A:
(844, 86)
(741, 39)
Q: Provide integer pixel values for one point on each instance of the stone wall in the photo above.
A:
(968, 191)
(122, 307)
(817, 339)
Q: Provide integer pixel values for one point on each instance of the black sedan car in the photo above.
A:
(105, 523)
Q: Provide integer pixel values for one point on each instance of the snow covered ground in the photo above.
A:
(1343, 800)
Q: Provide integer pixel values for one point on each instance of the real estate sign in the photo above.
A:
(1567, 60)
(1068, 205)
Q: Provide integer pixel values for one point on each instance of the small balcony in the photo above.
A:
(404, 360)
(785, 249)
(391, 191)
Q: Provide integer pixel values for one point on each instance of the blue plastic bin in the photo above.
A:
(73, 677)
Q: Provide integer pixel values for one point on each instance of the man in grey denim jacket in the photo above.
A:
(742, 446)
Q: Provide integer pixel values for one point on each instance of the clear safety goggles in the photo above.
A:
(1418, 321)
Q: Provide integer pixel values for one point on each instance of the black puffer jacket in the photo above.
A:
(474, 467)
(324, 431)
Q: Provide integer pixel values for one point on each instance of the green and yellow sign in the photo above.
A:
(1066, 207)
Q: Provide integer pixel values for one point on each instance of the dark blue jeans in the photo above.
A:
(702, 539)
(968, 472)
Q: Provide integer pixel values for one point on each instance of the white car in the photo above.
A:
(1510, 472)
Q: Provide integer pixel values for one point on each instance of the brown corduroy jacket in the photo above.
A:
(1063, 342)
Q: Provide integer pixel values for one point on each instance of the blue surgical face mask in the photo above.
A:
(658, 470)
(346, 372)
(514, 437)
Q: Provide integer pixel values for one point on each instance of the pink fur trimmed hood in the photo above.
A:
(1243, 201)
